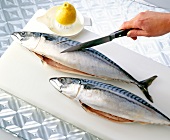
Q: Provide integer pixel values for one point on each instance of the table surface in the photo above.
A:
(106, 16)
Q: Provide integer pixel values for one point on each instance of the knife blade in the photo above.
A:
(95, 42)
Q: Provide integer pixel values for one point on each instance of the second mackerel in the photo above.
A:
(109, 101)
(88, 62)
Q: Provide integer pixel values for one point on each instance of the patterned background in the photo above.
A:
(31, 123)
(106, 15)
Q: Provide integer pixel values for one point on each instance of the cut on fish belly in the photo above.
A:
(61, 67)
(109, 101)
(104, 115)
(88, 61)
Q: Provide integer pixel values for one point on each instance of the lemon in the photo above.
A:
(66, 14)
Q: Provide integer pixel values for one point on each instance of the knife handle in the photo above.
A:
(119, 33)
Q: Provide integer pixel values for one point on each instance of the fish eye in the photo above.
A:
(62, 80)
(23, 34)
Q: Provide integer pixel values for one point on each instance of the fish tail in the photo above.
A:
(143, 85)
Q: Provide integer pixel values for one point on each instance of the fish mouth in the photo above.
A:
(16, 36)
(56, 84)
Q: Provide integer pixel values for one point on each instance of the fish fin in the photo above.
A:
(143, 85)
(104, 114)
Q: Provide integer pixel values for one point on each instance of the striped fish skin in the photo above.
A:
(88, 60)
(110, 100)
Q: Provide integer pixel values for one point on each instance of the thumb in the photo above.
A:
(137, 32)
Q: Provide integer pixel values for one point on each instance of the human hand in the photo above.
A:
(148, 24)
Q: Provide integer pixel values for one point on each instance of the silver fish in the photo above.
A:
(88, 62)
(109, 101)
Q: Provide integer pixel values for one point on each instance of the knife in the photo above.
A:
(98, 41)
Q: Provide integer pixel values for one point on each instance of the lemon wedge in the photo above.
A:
(66, 14)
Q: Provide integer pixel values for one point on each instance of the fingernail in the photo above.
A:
(128, 34)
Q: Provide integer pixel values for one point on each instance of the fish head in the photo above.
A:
(28, 39)
(67, 86)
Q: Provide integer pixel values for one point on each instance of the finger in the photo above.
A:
(127, 25)
(135, 33)
(134, 38)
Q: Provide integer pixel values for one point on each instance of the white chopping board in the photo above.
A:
(23, 75)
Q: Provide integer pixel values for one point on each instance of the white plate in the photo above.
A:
(49, 20)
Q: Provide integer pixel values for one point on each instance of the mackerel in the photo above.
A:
(109, 101)
(89, 62)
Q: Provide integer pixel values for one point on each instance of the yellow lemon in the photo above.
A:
(66, 14)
